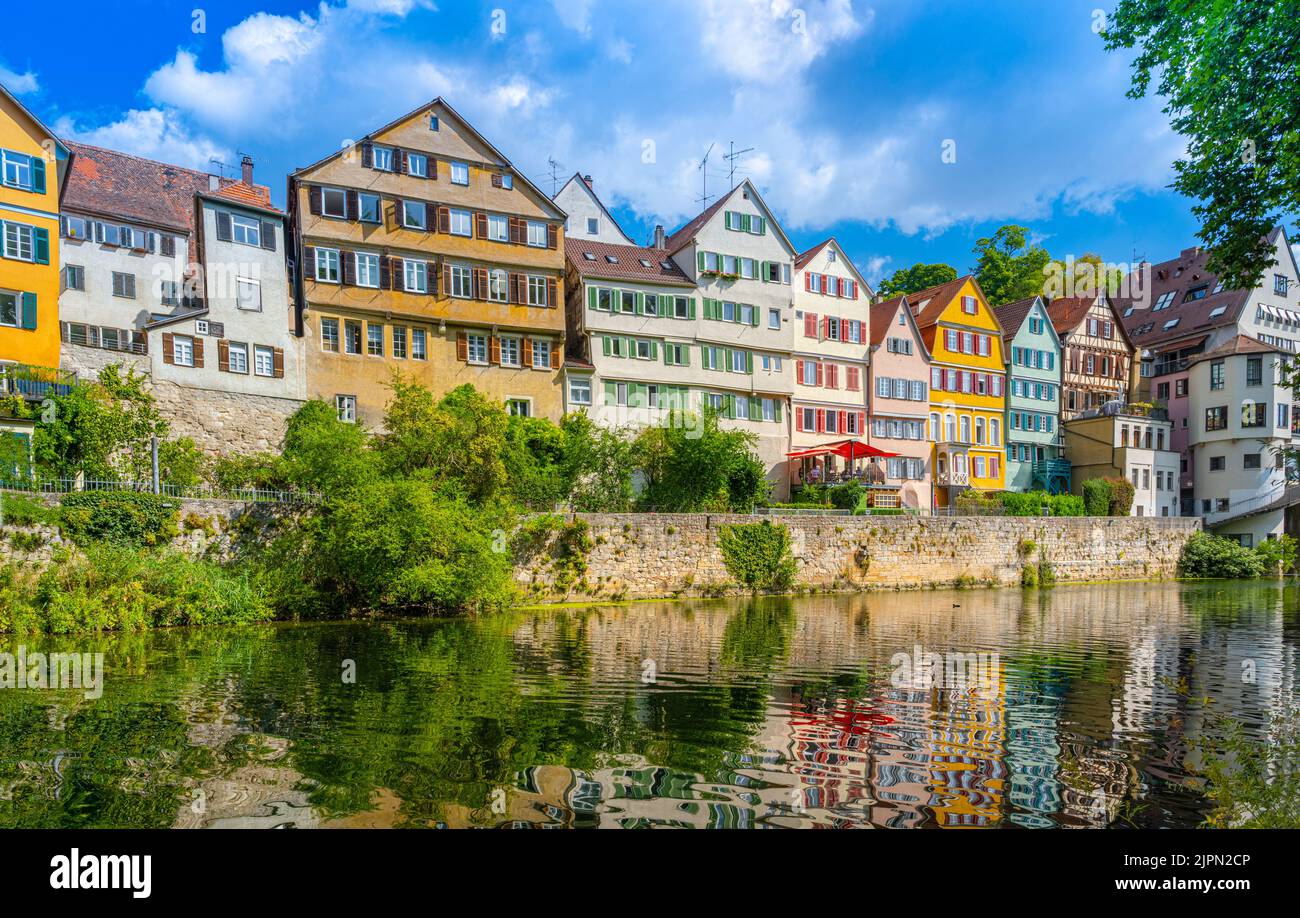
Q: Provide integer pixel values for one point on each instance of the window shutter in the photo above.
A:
(348, 267)
(591, 297)
(821, 420)
(268, 235)
(555, 355)
(480, 226)
(821, 375)
(431, 284)
(279, 362)
(753, 319)
(223, 227)
(446, 280)
(29, 317)
(552, 293)
(517, 234)
(749, 361)
(223, 355)
(462, 347)
(314, 199)
(42, 245)
(308, 266)
(385, 273)
(798, 371)
(691, 310)
(367, 156)
(433, 169)
(399, 162)
(776, 405)
(399, 213)
(198, 353)
(169, 353)
(352, 205)
(480, 284)
(494, 349)
(512, 288)
(444, 219)
(168, 244)
(528, 352)
(604, 345)
(699, 257)
(552, 236)
(496, 180)
(810, 325)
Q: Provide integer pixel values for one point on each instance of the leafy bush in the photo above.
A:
(692, 465)
(1278, 555)
(1032, 503)
(1028, 575)
(1096, 497)
(118, 517)
(1121, 496)
(758, 555)
(21, 510)
(1207, 555)
(848, 495)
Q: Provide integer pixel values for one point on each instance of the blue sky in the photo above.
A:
(848, 105)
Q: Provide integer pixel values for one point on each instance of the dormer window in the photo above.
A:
(612, 259)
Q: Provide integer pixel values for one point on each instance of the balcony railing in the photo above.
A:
(34, 383)
(1126, 409)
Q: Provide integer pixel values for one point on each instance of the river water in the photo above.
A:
(1074, 706)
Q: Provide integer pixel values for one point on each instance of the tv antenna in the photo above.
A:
(221, 167)
(555, 175)
(732, 158)
(703, 167)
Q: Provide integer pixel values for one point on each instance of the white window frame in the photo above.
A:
(512, 350)
(263, 358)
(417, 164)
(336, 337)
(346, 406)
(419, 344)
(498, 285)
(22, 241)
(537, 290)
(462, 281)
(328, 260)
(579, 384)
(420, 207)
(537, 234)
(237, 357)
(460, 222)
(459, 173)
(498, 228)
(382, 158)
(541, 354)
(371, 261)
(343, 203)
(253, 288)
(246, 230)
(415, 276)
(476, 349)
(183, 350)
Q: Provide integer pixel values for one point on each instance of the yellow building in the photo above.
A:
(967, 388)
(33, 164)
(420, 249)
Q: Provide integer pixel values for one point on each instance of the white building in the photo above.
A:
(588, 218)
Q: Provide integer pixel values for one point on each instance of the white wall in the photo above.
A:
(581, 204)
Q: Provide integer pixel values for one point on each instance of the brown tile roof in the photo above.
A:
(628, 267)
(680, 239)
(253, 195)
(927, 305)
(1241, 344)
(1177, 276)
(1012, 315)
(881, 316)
(808, 256)
(111, 184)
(1066, 312)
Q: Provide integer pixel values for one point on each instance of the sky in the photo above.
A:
(907, 129)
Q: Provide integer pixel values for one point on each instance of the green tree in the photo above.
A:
(1084, 276)
(597, 466)
(1008, 267)
(1230, 77)
(917, 277)
(102, 429)
(694, 465)
(322, 453)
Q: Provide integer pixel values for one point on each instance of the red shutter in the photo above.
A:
(462, 347)
(798, 419)
(832, 376)
(821, 420)
(820, 375)
(810, 325)
(798, 371)
(480, 226)
(826, 326)
(844, 329)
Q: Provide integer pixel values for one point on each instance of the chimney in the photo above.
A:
(247, 164)
(587, 179)
(661, 240)
(1191, 253)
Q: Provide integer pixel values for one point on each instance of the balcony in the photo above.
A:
(1126, 409)
(34, 383)
(1053, 475)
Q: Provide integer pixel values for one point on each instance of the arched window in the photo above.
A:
(979, 431)
(965, 428)
(995, 432)
(934, 424)
(950, 428)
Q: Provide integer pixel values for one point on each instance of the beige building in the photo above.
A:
(1126, 442)
(423, 251)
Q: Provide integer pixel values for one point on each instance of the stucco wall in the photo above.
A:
(642, 556)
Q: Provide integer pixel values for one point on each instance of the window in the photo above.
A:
(9, 308)
(352, 336)
(593, 226)
(415, 276)
(183, 350)
(460, 222)
(969, 305)
(1216, 375)
(264, 360)
(368, 207)
(418, 351)
(541, 354)
(19, 241)
(399, 342)
(374, 340)
(580, 390)
(1180, 388)
(1250, 461)
(347, 408)
(537, 234)
(1280, 284)
(124, 285)
(497, 281)
(1216, 418)
(327, 265)
(1254, 414)
(417, 164)
(329, 335)
(74, 277)
(247, 231)
(18, 172)
(414, 215)
(1217, 463)
(509, 352)
(1254, 371)
(248, 294)
(498, 228)
(237, 358)
(382, 158)
(367, 269)
(459, 173)
(477, 349)
(536, 291)
(461, 282)
(334, 203)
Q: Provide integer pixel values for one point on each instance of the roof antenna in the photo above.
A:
(221, 167)
(703, 199)
(733, 157)
(555, 175)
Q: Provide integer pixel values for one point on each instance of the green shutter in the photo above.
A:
(38, 175)
(42, 246)
(654, 350)
(762, 274)
(754, 311)
(686, 356)
(776, 403)
(700, 258)
(749, 362)
(762, 225)
(604, 345)
(691, 310)
(611, 392)
(731, 406)
(29, 311)
(591, 297)
(638, 299)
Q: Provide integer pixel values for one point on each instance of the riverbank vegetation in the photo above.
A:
(1208, 556)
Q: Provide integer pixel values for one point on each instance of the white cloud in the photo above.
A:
(575, 15)
(20, 84)
(151, 133)
(768, 41)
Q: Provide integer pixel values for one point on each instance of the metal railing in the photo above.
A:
(178, 492)
(34, 383)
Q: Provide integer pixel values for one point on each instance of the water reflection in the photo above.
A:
(762, 713)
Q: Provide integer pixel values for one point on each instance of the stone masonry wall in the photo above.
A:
(652, 555)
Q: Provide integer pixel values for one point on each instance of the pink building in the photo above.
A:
(898, 404)
(1169, 389)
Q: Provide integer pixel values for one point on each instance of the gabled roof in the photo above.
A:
(1176, 277)
(880, 318)
(1241, 344)
(255, 196)
(1066, 312)
(627, 264)
(591, 193)
(557, 212)
(804, 258)
(684, 236)
(107, 183)
(928, 304)
(1012, 316)
(36, 122)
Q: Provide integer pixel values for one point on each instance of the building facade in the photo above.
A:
(587, 217)
(898, 402)
(33, 166)
(1098, 361)
(1034, 439)
(1126, 441)
(422, 251)
(1241, 423)
(967, 388)
(831, 355)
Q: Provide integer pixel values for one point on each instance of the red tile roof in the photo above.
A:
(881, 316)
(253, 195)
(929, 304)
(808, 256)
(1012, 315)
(682, 238)
(1066, 312)
(628, 265)
(1241, 344)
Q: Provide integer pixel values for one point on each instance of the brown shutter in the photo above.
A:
(223, 355)
(555, 355)
(480, 284)
(308, 266)
(169, 354)
(198, 353)
(494, 350)
(315, 198)
(496, 180)
(518, 232)
(399, 214)
(169, 245)
(432, 268)
(444, 219)
(462, 347)
(396, 273)
(480, 226)
(385, 273)
(552, 291)
(446, 281)
(353, 206)
(348, 267)
(552, 236)
(433, 169)
(528, 352)
(279, 363)
(512, 288)
(399, 162)
(367, 155)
